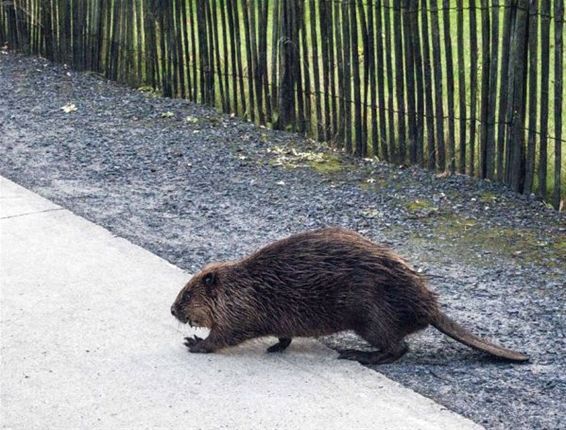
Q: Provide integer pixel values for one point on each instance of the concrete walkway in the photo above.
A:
(87, 341)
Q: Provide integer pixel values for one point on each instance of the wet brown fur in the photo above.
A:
(313, 284)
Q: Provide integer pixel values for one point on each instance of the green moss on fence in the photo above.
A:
(291, 157)
(473, 240)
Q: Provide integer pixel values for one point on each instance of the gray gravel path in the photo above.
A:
(194, 186)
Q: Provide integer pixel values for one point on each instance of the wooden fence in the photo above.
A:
(468, 86)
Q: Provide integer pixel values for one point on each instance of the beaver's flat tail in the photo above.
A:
(451, 328)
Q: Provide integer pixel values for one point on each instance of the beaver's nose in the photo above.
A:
(173, 311)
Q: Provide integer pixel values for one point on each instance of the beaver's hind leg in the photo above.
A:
(381, 334)
(282, 345)
(374, 357)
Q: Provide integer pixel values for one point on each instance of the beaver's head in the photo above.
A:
(196, 302)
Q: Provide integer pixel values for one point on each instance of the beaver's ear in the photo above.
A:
(209, 282)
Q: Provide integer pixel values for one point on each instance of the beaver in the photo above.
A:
(313, 284)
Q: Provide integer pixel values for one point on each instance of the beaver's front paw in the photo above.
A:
(190, 342)
(197, 345)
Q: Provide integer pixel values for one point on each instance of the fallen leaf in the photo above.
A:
(69, 107)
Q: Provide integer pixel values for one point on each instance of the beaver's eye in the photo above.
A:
(187, 296)
(208, 280)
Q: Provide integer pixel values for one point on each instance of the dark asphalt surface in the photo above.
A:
(194, 186)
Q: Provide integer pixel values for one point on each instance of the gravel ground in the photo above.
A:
(194, 186)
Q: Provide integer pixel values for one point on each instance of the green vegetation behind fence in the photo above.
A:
(468, 86)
